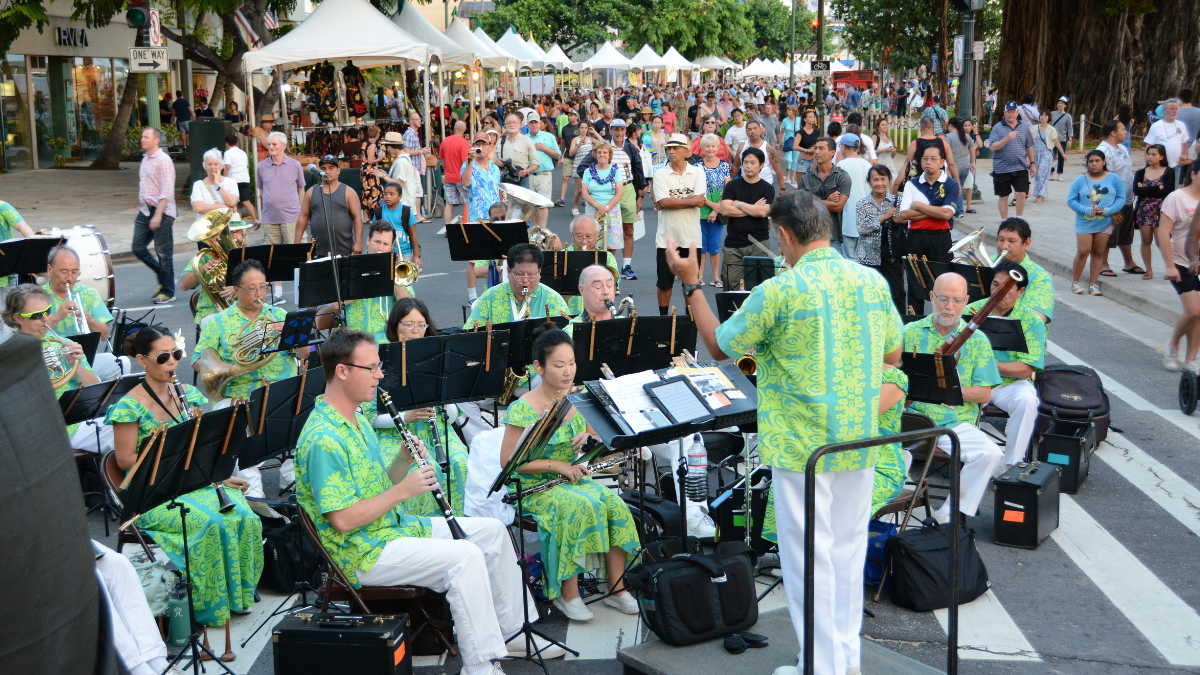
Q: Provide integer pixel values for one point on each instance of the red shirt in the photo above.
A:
(454, 154)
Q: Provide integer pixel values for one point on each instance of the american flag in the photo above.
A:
(244, 24)
(271, 20)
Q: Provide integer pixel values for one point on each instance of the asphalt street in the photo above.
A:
(1113, 590)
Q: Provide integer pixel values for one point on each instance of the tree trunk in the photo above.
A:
(218, 92)
(110, 155)
(1097, 61)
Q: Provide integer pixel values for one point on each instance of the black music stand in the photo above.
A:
(445, 369)
(630, 345)
(561, 269)
(912, 318)
(26, 257)
(297, 332)
(1005, 334)
(94, 400)
(484, 241)
(520, 338)
(280, 260)
(123, 327)
(509, 474)
(177, 461)
(276, 413)
(90, 342)
(728, 303)
(757, 269)
(930, 383)
(360, 276)
(922, 273)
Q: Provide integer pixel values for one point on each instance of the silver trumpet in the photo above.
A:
(81, 327)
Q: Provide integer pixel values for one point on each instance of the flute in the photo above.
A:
(411, 441)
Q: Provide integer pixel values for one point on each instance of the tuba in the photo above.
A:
(970, 250)
(54, 353)
(522, 204)
(212, 228)
(215, 374)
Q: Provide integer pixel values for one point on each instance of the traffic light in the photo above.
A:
(137, 13)
(815, 23)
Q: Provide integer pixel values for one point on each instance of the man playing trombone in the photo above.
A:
(77, 309)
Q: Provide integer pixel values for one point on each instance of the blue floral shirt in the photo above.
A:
(484, 189)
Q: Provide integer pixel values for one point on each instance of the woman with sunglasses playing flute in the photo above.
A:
(225, 548)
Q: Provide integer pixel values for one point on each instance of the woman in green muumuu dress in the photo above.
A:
(579, 518)
(225, 557)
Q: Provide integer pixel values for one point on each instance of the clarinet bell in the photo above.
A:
(225, 503)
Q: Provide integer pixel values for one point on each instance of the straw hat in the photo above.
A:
(393, 138)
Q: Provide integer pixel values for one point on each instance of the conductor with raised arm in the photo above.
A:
(822, 332)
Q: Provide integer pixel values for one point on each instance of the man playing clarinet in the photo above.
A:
(822, 332)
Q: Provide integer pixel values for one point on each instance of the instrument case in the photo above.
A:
(1026, 504)
(1070, 445)
(325, 643)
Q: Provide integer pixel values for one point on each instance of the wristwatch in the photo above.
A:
(688, 289)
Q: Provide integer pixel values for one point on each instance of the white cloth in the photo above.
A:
(239, 165)
(109, 367)
(856, 168)
(766, 172)
(208, 194)
(1171, 135)
(134, 631)
(93, 436)
(736, 136)
(980, 457)
(843, 505)
(1020, 401)
(479, 576)
(483, 465)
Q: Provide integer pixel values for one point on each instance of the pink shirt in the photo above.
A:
(156, 181)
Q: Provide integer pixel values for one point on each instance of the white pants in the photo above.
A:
(135, 633)
(253, 475)
(980, 457)
(93, 436)
(109, 367)
(1020, 401)
(480, 577)
(843, 503)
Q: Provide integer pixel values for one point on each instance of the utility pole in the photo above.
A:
(792, 56)
(968, 86)
(818, 92)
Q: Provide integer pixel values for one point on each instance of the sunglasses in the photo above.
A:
(162, 357)
(35, 315)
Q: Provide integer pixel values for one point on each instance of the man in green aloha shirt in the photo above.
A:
(977, 374)
(342, 485)
(822, 332)
(523, 296)
(1016, 394)
(1014, 237)
(83, 308)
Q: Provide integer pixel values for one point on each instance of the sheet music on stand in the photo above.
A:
(630, 345)
(280, 260)
(561, 269)
(1004, 333)
(922, 273)
(728, 302)
(368, 275)
(932, 378)
(26, 256)
(444, 369)
(94, 400)
(90, 343)
(484, 241)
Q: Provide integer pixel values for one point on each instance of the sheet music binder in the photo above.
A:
(740, 412)
(280, 260)
(94, 400)
(630, 345)
(275, 417)
(1005, 333)
(924, 382)
(922, 273)
(90, 343)
(445, 369)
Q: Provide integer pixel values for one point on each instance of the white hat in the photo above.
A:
(1063, 98)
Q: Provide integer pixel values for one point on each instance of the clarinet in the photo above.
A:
(411, 441)
(224, 503)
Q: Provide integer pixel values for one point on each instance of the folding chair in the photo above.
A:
(111, 477)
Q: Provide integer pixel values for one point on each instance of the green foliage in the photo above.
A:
(696, 28)
(58, 144)
(773, 27)
(904, 35)
(570, 23)
(132, 151)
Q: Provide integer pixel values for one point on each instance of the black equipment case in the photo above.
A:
(324, 643)
(1070, 445)
(1026, 504)
(1071, 393)
(920, 559)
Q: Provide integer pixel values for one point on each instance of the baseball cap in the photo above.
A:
(328, 159)
(1011, 105)
(1063, 98)
(677, 141)
(617, 122)
(481, 137)
(533, 117)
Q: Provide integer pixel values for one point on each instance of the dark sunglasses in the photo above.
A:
(163, 357)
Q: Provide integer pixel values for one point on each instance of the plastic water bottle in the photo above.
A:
(177, 614)
(696, 482)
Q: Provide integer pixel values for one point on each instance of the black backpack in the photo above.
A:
(920, 559)
(1071, 393)
(289, 555)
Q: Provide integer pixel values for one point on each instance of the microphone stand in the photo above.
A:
(337, 283)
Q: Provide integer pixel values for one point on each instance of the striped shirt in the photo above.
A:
(156, 181)
(413, 142)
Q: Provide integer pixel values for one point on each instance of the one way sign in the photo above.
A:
(148, 59)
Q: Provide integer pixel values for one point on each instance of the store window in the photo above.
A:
(14, 120)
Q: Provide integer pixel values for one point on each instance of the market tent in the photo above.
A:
(711, 63)
(338, 30)
(461, 35)
(513, 44)
(757, 68)
(781, 68)
(538, 51)
(648, 59)
(559, 58)
(731, 63)
(409, 19)
(607, 57)
(487, 40)
(674, 59)
(837, 66)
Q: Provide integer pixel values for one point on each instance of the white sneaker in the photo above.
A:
(1094, 289)
(1077, 289)
(574, 610)
(622, 602)
(702, 527)
(1171, 357)
(548, 650)
(494, 669)
(787, 670)
(574, 212)
(941, 517)
(1193, 367)
(279, 292)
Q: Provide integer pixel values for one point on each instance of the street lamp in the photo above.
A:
(966, 82)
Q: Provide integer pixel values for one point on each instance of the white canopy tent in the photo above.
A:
(538, 51)
(460, 34)
(607, 57)
(558, 57)
(409, 19)
(648, 59)
(338, 30)
(731, 63)
(711, 63)
(781, 68)
(757, 68)
(837, 66)
(673, 59)
(487, 40)
(513, 44)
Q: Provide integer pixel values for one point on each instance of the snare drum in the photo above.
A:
(95, 262)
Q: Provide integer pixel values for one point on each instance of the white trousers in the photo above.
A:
(980, 457)
(1020, 401)
(108, 367)
(93, 436)
(480, 577)
(843, 508)
(135, 633)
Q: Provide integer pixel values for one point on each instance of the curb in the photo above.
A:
(122, 256)
(1111, 291)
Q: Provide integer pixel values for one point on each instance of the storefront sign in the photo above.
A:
(70, 37)
(148, 60)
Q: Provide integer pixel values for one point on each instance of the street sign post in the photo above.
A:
(821, 69)
(980, 45)
(148, 60)
(958, 55)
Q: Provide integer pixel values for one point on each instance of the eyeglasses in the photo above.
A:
(255, 290)
(413, 325)
(163, 357)
(34, 315)
(377, 368)
(950, 301)
(530, 275)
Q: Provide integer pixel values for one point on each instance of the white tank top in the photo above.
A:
(766, 172)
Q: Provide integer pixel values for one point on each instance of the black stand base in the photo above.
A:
(194, 645)
(303, 588)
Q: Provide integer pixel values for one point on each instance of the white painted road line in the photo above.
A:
(601, 637)
(1175, 495)
(1166, 621)
(987, 633)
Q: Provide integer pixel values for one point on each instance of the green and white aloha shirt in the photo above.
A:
(1035, 339)
(976, 368)
(221, 334)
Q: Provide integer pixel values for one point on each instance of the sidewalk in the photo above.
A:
(1053, 225)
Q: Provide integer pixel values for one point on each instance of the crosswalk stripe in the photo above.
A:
(601, 637)
(1166, 621)
(987, 632)
(1175, 495)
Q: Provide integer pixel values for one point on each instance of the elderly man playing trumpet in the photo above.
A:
(77, 309)
(585, 232)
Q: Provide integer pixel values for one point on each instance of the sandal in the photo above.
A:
(971, 211)
(1134, 270)
(1107, 273)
